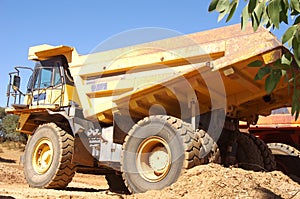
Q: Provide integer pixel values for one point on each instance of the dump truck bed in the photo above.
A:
(207, 70)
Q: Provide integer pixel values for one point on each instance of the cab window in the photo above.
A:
(46, 74)
(47, 77)
(56, 76)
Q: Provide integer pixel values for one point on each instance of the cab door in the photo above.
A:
(48, 86)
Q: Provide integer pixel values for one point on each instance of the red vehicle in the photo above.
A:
(282, 134)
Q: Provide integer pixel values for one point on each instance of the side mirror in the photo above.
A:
(16, 83)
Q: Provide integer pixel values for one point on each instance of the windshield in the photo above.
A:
(45, 75)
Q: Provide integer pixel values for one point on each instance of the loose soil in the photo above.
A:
(205, 181)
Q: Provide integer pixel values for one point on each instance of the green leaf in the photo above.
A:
(295, 104)
(294, 12)
(222, 5)
(252, 5)
(257, 63)
(286, 59)
(268, 24)
(286, 3)
(272, 80)
(296, 114)
(274, 9)
(256, 15)
(265, 18)
(262, 72)
(213, 5)
(255, 22)
(222, 15)
(283, 73)
(295, 45)
(297, 20)
(289, 33)
(284, 11)
(284, 17)
(232, 10)
(259, 11)
(290, 42)
(269, 84)
(297, 61)
(296, 50)
(297, 36)
(245, 18)
(277, 63)
(295, 4)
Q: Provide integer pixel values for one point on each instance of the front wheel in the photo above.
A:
(48, 156)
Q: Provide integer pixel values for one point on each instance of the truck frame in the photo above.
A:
(142, 114)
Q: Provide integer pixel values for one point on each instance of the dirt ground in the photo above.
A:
(206, 181)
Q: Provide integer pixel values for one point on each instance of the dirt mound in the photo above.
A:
(215, 181)
(205, 181)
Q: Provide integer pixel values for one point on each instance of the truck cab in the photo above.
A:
(48, 83)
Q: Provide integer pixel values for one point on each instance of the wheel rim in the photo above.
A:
(153, 159)
(42, 156)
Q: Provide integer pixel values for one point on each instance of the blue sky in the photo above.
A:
(85, 24)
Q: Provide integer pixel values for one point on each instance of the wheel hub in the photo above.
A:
(153, 159)
(159, 159)
(42, 156)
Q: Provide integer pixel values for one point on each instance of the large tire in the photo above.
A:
(155, 152)
(268, 157)
(48, 156)
(249, 155)
(287, 159)
(208, 149)
(252, 152)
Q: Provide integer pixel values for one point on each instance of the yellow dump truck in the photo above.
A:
(142, 114)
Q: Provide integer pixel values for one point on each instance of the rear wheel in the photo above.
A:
(249, 154)
(155, 152)
(48, 156)
(287, 159)
(268, 157)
